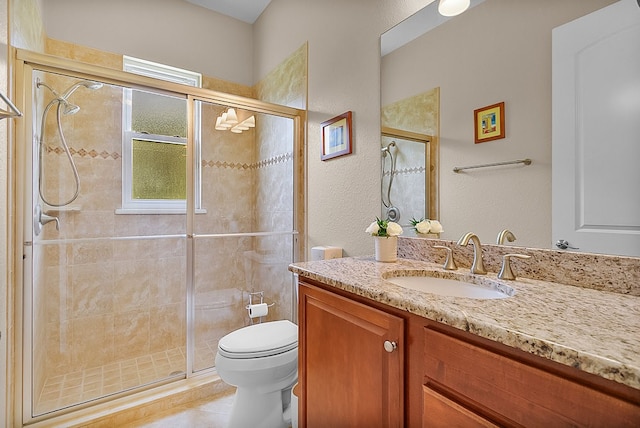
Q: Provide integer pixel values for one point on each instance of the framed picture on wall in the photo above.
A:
(489, 123)
(336, 136)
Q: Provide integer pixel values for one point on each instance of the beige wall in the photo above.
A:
(497, 51)
(173, 32)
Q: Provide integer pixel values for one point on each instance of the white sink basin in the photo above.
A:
(454, 287)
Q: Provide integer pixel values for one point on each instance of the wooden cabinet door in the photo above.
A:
(347, 377)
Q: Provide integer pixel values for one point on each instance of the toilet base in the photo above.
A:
(265, 410)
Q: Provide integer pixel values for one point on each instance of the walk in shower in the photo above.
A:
(145, 228)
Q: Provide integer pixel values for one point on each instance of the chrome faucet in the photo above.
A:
(477, 266)
(505, 234)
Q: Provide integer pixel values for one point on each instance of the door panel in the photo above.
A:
(596, 106)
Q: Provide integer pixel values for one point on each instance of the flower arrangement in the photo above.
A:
(384, 228)
(424, 226)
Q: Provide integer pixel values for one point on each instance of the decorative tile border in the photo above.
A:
(407, 171)
(83, 153)
(205, 163)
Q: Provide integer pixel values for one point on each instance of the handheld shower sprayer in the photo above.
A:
(64, 98)
(387, 149)
(64, 107)
(393, 213)
(89, 84)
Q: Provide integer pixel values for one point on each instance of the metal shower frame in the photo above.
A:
(26, 63)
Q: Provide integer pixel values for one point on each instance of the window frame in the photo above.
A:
(157, 206)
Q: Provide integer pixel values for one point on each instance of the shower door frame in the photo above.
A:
(26, 63)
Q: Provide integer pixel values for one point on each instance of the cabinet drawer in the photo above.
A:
(439, 411)
(523, 394)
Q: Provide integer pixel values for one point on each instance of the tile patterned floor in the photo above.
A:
(84, 385)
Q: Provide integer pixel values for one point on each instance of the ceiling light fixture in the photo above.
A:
(453, 7)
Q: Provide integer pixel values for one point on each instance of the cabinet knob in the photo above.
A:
(390, 346)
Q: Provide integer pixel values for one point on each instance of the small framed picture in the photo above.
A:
(336, 136)
(489, 123)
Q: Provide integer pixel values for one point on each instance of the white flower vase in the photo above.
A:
(386, 248)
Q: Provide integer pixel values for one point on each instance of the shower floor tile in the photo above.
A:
(85, 385)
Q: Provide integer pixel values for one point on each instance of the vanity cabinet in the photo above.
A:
(437, 376)
(491, 386)
(351, 362)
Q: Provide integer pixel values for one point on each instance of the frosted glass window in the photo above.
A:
(158, 114)
(159, 170)
(154, 142)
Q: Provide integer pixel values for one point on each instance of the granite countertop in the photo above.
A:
(592, 330)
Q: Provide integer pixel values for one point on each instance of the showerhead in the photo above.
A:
(69, 108)
(89, 84)
(62, 99)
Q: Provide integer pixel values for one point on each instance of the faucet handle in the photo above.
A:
(505, 234)
(449, 263)
(505, 271)
(40, 218)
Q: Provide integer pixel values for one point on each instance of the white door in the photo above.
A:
(596, 131)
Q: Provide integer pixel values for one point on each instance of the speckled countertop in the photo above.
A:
(592, 330)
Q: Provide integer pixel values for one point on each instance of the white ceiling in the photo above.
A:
(244, 10)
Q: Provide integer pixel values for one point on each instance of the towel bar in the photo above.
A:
(14, 110)
(460, 168)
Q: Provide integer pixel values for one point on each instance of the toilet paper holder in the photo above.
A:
(253, 301)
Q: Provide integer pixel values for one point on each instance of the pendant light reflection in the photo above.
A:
(453, 7)
(228, 121)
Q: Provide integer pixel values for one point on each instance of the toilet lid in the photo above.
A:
(260, 340)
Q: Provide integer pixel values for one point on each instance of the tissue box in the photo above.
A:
(325, 252)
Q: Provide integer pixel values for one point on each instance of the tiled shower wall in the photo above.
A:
(101, 299)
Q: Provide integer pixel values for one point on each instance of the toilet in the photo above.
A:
(261, 361)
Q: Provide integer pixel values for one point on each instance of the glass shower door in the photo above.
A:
(245, 241)
(108, 285)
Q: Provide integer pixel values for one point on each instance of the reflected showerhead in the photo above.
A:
(386, 149)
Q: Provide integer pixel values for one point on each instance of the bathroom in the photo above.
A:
(342, 76)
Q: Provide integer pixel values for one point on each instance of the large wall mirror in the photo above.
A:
(496, 51)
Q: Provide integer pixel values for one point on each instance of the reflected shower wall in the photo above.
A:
(413, 123)
(110, 289)
(407, 192)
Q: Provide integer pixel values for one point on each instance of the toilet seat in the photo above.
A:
(260, 340)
